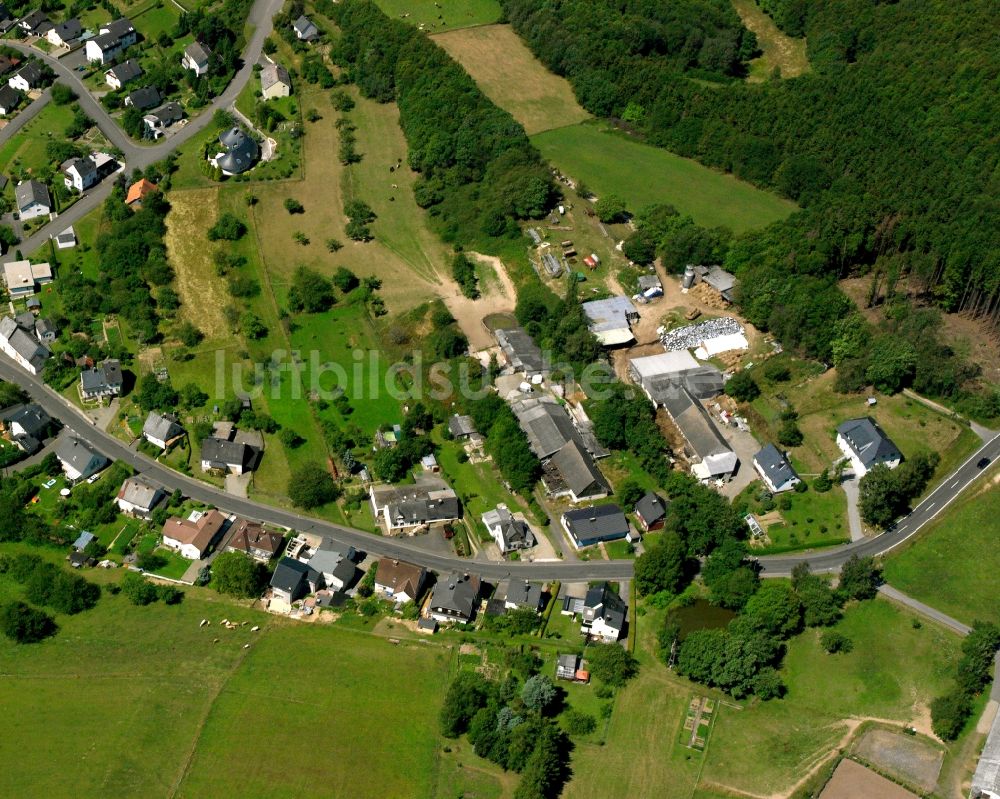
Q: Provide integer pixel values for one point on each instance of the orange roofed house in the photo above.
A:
(139, 191)
(193, 537)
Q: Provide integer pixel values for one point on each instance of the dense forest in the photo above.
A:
(478, 171)
(886, 144)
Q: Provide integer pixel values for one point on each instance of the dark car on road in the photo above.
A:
(982, 463)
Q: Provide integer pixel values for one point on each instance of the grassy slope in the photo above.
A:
(643, 175)
(951, 565)
(443, 14)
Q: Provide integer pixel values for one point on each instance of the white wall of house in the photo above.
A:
(188, 551)
(10, 352)
(600, 629)
(386, 590)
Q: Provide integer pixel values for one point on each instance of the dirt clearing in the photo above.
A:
(852, 780)
(906, 758)
(498, 296)
(203, 295)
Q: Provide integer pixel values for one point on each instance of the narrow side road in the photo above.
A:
(924, 610)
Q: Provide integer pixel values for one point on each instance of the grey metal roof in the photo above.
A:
(9, 96)
(595, 522)
(579, 472)
(23, 343)
(242, 151)
(126, 71)
(521, 351)
(31, 191)
(869, 441)
(162, 427)
(651, 508)
(646, 282)
(696, 425)
(289, 575)
(31, 418)
(305, 28)
(106, 376)
(69, 30)
(168, 113)
(218, 452)
(77, 453)
(601, 602)
(146, 97)
(772, 462)
(524, 594)
(546, 424)
(461, 426)
(610, 314)
(197, 52)
(456, 593)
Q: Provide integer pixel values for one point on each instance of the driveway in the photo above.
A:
(850, 484)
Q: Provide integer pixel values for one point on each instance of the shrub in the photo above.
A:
(578, 723)
(138, 589)
(228, 228)
(293, 206)
(834, 642)
(742, 387)
(24, 624)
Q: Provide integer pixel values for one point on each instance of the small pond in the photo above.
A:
(700, 615)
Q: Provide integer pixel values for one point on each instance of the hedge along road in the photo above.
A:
(138, 156)
(59, 407)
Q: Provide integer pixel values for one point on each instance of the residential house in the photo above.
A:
(455, 598)
(774, 469)
(103, 380)
(711, 456)
(143, 99)
(234, 457)
(240, 151)
(651, 511)
(293, 579)
(305, 30)
(78, 459)
(32, 199)
(253, 539)
(138, 497)
(162, 429)
(510, 533)
(65, 34)
(22, 346)
(337, 570)
(196, 58)
(572, 472)
(66, 240)
(274, 81)
(570, 667)
(45, 331)
(589, 526)
(34, 23)
(546, 424)
(193, 537)
(604, 614)
(24, 278)
(27, 426)
(462, 427)
(611, 320)
(522, 594)
(125, 72)
(866, 445)
(83, 173)
(111, 41)
(410, 508)
(140, 191)
(7, 62)
(7, 20)
(10, 99)
(663, 376)
(159, 119)
(399, 580)
(521, 353)
(26, 78)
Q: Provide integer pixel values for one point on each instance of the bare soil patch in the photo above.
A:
(851, 780)
(499, 296)
(906, 758)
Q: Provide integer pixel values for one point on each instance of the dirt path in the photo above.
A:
(498, 296)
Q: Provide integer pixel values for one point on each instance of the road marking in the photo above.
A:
(931, 505)
(955, 483)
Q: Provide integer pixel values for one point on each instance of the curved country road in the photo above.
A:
(139, 156)
(59, 407)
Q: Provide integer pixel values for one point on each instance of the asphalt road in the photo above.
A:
(139, 156)
(59, 407)
(25, 116)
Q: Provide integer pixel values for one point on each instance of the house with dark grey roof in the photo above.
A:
(101, 381)
(305, 30)
(22, 346)
(240, 151)
(79, 460)
(546, 424)
(7, 20)
(522, 594)
(572, 472)
(26, 78)
(520, 352)
(196, 58)
(162, 429)
(83, 173)
(604, 614)
(112, 39)
(651, 511)
(27, 426)
(10, 98)
(589, 526)
(159, 119)
(335, 568)
(711, 456)
(461, 427)
(64, 34)
(293, 579)
(866, 445)
(774, 469)
(138, 497)
(45, 330)
(455, 598)
(32, 199)
(34, 23)
(510, 532)
(144, 98)
(125, 72)
(408, 508)
(222, 455)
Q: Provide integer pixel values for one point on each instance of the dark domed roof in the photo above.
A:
(241, 151)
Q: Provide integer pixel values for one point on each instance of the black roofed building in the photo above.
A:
(866, 445)
(159, 119)
(305, 30)
(775, 470)
(604, 614)
(240, 151)
(572, 472)
(27, 426)
(523, 595)
(651, 511)
(510, 533)
(125, 72)
(222, 455)
(589, 526)
(711, 456)
(412, 508)
(293, 579)
(162, 429)
(455, 598)
(10, 98)
(520, 352)
(144, 98)
(103, 380)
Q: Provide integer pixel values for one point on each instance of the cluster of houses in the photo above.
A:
(21, 78)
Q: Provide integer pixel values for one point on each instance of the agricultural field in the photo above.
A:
(779, 51)
(442, 15)
(513, 78)
(642, 175)
(951, 563)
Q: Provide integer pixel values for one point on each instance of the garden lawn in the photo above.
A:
(953, 564)
(642, 175)
(442, 14)
(339, 695)
(26, 150)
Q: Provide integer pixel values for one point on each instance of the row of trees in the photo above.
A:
(885, 494)
(478, 171)
(950, 712)
(506, 442)
(559, 326)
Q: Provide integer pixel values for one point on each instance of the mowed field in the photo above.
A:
(953, 565)
(441, 15)
(642, 175)
(513, 78)
(315, 710)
